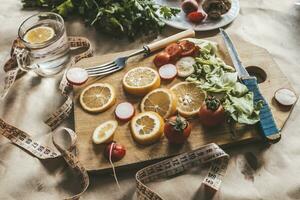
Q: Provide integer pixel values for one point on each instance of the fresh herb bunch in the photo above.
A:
(131, 18)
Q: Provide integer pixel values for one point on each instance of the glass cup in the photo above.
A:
(51, 56)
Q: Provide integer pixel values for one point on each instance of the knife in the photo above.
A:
(266, 123)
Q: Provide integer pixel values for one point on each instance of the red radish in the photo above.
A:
(77, 76)
(189, 6)
(196, 17)
(114, 151)
(285, 97)
(167, 72)
(124, 111)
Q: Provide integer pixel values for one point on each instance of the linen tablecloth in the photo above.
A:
(255, 171)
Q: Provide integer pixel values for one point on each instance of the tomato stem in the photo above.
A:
(212, 103)
(179, 124)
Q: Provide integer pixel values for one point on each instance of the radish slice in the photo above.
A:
(77, 76)
(167, 72)
(185, 66)
(124, 111)
(285, 97)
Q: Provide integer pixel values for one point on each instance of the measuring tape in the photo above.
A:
(175, 165)
(210, 153)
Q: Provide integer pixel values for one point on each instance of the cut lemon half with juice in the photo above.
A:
(189, 98)
(104, 133)
(147, 127)
(161, 101)
(39, 35)
(141, 80)
(97, 97)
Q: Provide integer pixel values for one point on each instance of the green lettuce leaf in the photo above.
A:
(213, 75)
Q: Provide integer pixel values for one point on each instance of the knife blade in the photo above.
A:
(267, 123)
(237, 63)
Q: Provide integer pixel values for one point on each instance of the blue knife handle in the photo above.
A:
(267, 123)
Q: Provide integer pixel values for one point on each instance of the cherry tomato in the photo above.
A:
(211, 112)
(161, 59)
(177, 130)
(196, 17)
(117, 153)
(174, 51)
(187, 47)
(196, 51)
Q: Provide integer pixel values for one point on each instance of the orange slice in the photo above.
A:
(39, 35)
(141, 80)
(104, 133)
(189, 98)
(97, 97)
(147, 127)
(161, 101)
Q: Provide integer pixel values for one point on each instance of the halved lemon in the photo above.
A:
(39, 35)
(105, 132)
(141, 80)
(161, 101)
(97, 97)
(147, 127)
(189, 98)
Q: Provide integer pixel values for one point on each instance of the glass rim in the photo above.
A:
(35, 15)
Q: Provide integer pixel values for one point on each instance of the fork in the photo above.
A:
(120, 62)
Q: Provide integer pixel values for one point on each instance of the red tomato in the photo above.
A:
(174, 51)
(211, 112)
(161, 59)
(117, 153)
(187, 47)
(177, 130)
(196, 17)
(196, 51)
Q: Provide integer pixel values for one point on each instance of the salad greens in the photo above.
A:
(213, 75)
(120, 18)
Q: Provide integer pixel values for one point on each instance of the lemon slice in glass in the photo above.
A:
(97, 97)
(147, 127)
(39, 35)
(105, 132)
(189, 98)
(141, 80)
(161, 101)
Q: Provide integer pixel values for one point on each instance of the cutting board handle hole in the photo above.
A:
(258, 72)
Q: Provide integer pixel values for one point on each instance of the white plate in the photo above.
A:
(181, 22)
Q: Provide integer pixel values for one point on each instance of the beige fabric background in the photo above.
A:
(255, 171)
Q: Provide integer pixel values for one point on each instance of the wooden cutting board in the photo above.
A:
(91, 156)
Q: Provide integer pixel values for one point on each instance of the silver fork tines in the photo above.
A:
(111, 67)
(100, 66)
(105, 71)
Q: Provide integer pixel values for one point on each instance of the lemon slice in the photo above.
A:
(189, 98)
(105, 132)
(97, 97)
(147, 127)
(141, 80)
(39, 35)
(161, 101)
